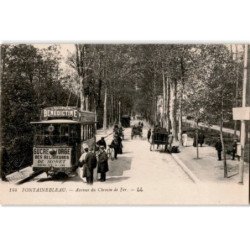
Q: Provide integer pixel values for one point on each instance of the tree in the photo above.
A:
(30, 80)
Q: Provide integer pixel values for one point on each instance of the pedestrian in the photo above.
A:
(82, 160)
(120, 131)
(218, 147)
(170, 141)
(102, 142)
(4, 163)
(115, 145)
(184, 138)
(91, 162)
(103, 167)
(234, 149)
(115, 130)
(149, 134)
(120, 146)
(201, 138)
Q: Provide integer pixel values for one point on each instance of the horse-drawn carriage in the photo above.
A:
(136, 131)
(119, 131)
(159, 137)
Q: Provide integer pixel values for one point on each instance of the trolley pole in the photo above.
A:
(243, 122)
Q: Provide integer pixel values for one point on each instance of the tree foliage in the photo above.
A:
(30, 80)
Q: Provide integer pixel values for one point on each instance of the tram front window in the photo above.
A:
(56, 134)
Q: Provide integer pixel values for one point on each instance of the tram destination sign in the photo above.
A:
(60, 112)
(52, 157)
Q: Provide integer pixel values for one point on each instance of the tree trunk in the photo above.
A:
(81, 95)
(180, 114)
(95, 107)
(181, 99)
(167, 105)
(112, 107)
(196, 139)
(172, 106)
(223, 149)
(154, 98)
(105, 107)
(222, 139)
(87, 103)
(164, 99)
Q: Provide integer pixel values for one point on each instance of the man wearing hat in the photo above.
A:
(91, 161)
(102, 143)
(82, 160)
(103, 167)
(234, 149)
(218, 147)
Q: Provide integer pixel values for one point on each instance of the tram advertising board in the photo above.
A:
(60, 112)
(52, 157)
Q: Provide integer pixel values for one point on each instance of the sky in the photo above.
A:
(64, 48)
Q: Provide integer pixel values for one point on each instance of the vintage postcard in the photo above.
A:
(125, 124)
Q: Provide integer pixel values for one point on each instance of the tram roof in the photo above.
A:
(56, 121)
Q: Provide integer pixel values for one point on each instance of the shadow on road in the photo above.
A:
(116, 179)
(117, 167)
(61, 179)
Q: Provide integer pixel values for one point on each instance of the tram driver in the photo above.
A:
(47, 139)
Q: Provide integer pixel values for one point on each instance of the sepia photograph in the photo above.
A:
(125, 123)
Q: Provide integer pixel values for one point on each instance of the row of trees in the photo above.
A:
(191, 78)
(200, 81)
(105, 79)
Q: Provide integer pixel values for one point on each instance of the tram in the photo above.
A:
(60, 136)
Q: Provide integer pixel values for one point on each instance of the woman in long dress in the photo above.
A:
(184, 138)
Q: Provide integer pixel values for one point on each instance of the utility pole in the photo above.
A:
(236, 86)
(243, 122)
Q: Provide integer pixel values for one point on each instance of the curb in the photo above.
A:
(190, 174)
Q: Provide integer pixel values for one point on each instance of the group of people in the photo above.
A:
(140, 124)
(118, 130)
(162, 135)
(91, 159)
(97, 157)
(218, 147)
(198, 140)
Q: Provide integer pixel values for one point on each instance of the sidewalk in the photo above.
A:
(104, 133)
(208, 168)
(215, 127)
